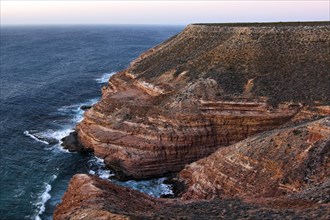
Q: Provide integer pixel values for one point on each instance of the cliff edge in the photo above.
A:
(242, 110)
(282, 174)
(208, 87)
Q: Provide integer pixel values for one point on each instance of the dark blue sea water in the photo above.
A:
(47, 73)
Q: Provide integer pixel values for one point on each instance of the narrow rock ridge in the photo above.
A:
(208, 87)
(283, 163)
(89, 197)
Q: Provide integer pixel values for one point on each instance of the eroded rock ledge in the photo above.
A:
(283, 163)
(208, 87)
(281, 174)
(89, 197)
(199, 94)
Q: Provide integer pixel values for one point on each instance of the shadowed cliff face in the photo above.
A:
(208, 87)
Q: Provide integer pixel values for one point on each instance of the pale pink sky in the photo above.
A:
(161, 12)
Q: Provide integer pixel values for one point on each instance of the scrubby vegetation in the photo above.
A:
(286, 61)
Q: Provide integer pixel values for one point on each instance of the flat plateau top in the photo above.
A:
(307, 23)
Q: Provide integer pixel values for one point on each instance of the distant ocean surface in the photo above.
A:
(47, 74)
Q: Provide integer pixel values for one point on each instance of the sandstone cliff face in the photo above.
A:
(208, 87)
(291, 162)
(199, 94)
(142, 136)
(281, 174)
(89, 197)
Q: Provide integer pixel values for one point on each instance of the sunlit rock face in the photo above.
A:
(243, 109)
(208, 87)
(90, 197)
(286, 163)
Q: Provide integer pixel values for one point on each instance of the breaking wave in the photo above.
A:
(105, 77)
(154, 187)
(45, 196)
(35, 137)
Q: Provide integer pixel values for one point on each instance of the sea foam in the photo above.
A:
(105, 77)
(75, 110)
(97, 167)
(153, 187)
(49, 137)
(54, 136)
(45, 196)
(35, 137)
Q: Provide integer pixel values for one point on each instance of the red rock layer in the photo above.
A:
(203, 89)
(206, 88)
(281, 163)
(89, 197)
(141, 135)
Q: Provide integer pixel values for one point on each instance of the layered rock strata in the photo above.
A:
(208, 87)
(285, 163)
(198, 94)
(140, 139)
(280, 174)
(89, 197)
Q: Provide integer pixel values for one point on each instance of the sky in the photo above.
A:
(161, 12)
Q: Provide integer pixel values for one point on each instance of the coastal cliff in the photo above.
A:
(208, 87)
(279, 163)
(89, 197)
(241, 111)
(282, 174)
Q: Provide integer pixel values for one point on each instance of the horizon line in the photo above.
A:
(162, 24)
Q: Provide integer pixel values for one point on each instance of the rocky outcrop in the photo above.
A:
(208, 87)
(139, 139)
(72, 144)
(89, 197)
(285, 163)
(280, 174)
(252, 100)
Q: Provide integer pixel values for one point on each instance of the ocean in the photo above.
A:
(47, 74)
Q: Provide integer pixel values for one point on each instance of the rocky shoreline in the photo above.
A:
(240, 112)
(89, 197)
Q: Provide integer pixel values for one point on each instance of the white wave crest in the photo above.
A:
(75, 110)
(76, 107)
(45, 196)
(34, 137)
(105, 77)
(49, 136)
(59, 134)
(97, 167)
(153, 187)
